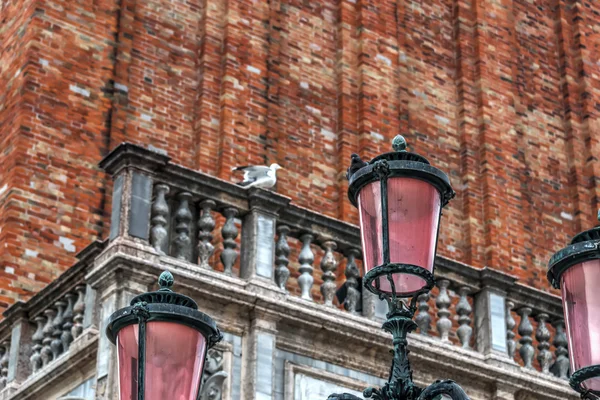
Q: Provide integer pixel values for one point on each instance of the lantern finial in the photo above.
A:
(165, 281)
(399, 143)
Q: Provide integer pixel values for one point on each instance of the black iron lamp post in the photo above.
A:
(400, 197)
(576, 271)
(162, 340)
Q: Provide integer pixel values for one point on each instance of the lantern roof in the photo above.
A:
(165, 295)
(583, 247)
(164, 305)
(398, 163)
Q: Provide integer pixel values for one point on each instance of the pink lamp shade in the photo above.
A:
(413, 216)
(581, 302)
(175, 356)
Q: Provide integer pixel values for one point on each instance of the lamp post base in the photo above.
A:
(400, 385)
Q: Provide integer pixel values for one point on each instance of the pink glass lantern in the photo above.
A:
(175, 356)
(399, 196)
(413, 216)
(576, 271)
(581, 301)
(162, 340)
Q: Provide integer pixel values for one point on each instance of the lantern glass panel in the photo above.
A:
(413, 216)
(581, 302)
(127, 347)
(175, 356)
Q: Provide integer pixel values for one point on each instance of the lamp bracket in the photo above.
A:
(371, 278)
(580, 376)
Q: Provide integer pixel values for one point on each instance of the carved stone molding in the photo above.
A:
(214, 376)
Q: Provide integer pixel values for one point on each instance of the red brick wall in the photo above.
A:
(501, 95)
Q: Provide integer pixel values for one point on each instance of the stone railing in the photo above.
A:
(196, 218)
(36, 335)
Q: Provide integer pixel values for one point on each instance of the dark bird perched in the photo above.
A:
(355, 165)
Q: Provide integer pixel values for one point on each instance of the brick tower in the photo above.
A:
(499, 94)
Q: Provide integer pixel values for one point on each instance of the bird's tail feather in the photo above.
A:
(243, 183)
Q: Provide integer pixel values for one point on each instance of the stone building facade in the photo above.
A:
(499, 338)
(499, 94)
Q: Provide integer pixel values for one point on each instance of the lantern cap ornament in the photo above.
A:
(399, 143)
(398, 163)
(584, 246)
(166, 281)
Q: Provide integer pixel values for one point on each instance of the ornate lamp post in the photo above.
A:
(576, 271)
(162, 341)
(400, 197)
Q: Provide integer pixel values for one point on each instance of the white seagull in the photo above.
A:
(259, 176)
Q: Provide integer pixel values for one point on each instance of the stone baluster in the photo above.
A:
(5, 348)
(306, 259)
(47, 340)
(328, 266)
(57, 324)
(282, 253)
(66, 336)
(525, 330)
(206, 224)
(36, 348)
(78, 312)
(423, 319)
(464, 309)
(352, 277)
(182, 243)
(444, 324)
(229, 233)
(511, 345)
(160, 212)
(542, 334)
(561, 365)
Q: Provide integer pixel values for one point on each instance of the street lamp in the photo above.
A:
(162, 340)
(400, 197)
(576, 271)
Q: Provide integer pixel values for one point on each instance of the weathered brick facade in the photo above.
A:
(500, 94)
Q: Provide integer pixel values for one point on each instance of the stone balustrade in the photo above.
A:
(40, 332)
(175, 210)
(254, 247)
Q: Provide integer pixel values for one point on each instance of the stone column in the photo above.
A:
(115, 284)
(372, 306)
(90, 317)
(259, 356)
(132, 189)
(490, 314)
(258, 236)
(20, 346)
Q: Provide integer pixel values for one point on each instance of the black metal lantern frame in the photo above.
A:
(399, 163)
(166, 306)
(399, 322)
(585, 246)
